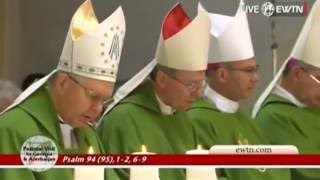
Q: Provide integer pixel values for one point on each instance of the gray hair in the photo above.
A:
(167, 70)
(8, 91)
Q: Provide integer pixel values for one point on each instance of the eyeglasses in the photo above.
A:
(92, 95)
(314, 78)
(250, 70)
(192, 86)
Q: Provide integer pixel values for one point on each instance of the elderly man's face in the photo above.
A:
(184, 88)
(82, 100)
(309, 88)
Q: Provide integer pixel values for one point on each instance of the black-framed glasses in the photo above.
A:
(192, 86)
(92, 95)
(249, 70)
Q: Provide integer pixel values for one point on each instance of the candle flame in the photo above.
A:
(199, 147)
(90, 151)
(143, 148)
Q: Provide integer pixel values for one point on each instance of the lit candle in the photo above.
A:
(203, 173)
(144, 173)
(89, 172)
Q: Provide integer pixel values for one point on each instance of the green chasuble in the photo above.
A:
(33, 117)
(285, 123)
(214, 127)
(137, 120)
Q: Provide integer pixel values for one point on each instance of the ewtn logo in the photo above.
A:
(283, 8)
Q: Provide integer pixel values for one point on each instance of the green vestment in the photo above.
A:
(214, 127)
(137, 120)
(36, 117)
(283, 122)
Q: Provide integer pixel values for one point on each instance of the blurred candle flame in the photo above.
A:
(143, 148)
(90, 151)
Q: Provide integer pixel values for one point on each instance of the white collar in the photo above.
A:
(223, 104)
(69, 138)
(280, 91)
(165, 109)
